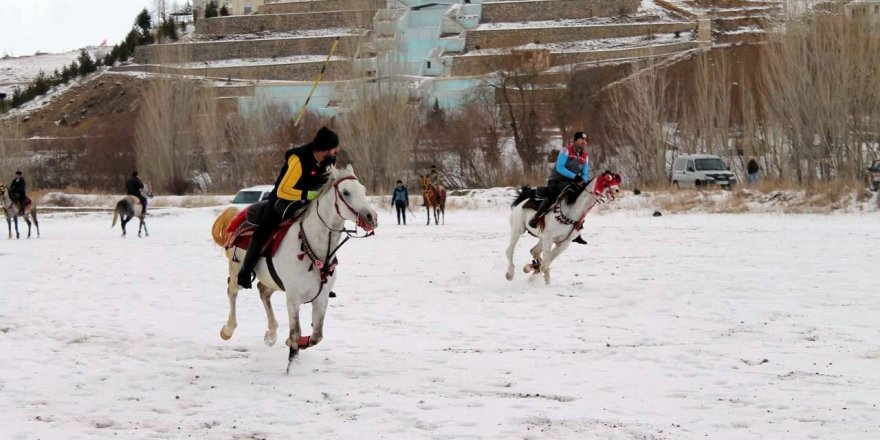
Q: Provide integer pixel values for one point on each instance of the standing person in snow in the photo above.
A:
(572, 166)
(753, 169)
(134, 187)
(18, 191)
(306, 169)
(400, 200)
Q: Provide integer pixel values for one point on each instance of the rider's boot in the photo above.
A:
(579, 240)
(246, 272)
(545, 205)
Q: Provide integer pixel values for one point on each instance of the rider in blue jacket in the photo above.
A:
(572, 165)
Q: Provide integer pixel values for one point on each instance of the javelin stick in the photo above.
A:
(302, 111)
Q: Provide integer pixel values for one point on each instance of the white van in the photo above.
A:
(254, 194)
(701, 170)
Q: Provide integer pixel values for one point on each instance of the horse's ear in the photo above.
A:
(349, 168)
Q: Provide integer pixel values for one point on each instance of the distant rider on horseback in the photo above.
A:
(305, 171)
(572, 166)
(17, 190)
(134, 187)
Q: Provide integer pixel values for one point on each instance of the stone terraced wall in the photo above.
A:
(281, 72)
(226, 50)
(245, 24)
(479, 65)
(321, 6)
(556, 10)
(501, 38)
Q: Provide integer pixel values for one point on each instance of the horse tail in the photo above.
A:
(115, 214)
(525, 192)
(218, 230)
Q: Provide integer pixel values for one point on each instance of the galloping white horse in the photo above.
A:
(12, 212)
(304, 264)
(562, 222)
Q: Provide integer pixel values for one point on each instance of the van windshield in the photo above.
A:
(712, 164)
(247, 197)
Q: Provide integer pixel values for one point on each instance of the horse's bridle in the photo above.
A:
(326, 267)
(598, 191)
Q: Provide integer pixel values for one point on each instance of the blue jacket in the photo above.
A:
(569, 163)
(400, 195)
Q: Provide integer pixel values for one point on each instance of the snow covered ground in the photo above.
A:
(674, 327)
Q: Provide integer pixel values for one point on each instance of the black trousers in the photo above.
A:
(401, 212)
(274, 212)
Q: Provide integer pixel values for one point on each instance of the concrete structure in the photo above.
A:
(439, 49)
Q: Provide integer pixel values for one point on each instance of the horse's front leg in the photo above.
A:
(15, 220)
(293, 303)
(427, 214)
(9, 226)
(319, 310)
(143, 225)
(28, 221)
(549, 256)
(36, 223)
(266, 297)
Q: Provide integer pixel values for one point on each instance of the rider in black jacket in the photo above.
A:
(17, 190)
(305, 171)
(134, 187)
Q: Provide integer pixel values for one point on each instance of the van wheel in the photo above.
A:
(698, 184)
(675, 184)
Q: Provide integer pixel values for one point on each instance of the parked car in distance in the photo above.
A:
(248, 196)
(700, 171)
(873, 176)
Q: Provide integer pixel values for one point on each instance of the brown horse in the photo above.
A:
(435, 198)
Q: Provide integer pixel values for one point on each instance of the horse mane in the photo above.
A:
(523, 193)
(573, 195)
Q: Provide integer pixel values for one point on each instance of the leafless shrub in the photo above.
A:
(378, 129)
(638, 110)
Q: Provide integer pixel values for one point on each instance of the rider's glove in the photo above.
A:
(578, 178)
(311, 195)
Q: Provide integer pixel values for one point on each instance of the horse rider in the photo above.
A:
(306, 169)
(18, 190)
(572, 166)
(433, 180)
(434, 176)
(134, 187)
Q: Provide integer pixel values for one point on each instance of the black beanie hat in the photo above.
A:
(580, 135)
(325, 140)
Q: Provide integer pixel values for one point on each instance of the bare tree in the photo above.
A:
(639, 109)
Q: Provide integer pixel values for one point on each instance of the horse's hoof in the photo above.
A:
(508, 276)
(225, 333)
(269, 338)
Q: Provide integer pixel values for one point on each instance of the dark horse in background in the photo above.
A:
(435, 199)
(130, 207)
(13, 212)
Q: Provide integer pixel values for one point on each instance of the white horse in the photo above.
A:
(13, 212)
(304, 265)
(130, 207)
(561, 223)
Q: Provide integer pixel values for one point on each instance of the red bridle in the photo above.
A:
(360, 220)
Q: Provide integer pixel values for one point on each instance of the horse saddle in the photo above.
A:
(242, 227)
(536, 197)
